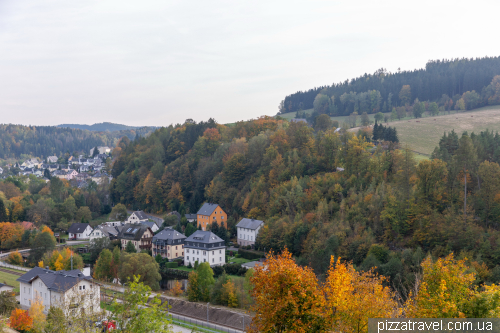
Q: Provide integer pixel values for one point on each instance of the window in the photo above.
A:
(45, 295)
(220, 258)
(83, 287)
(29, 301)
(220, 251)
(176, 247)
(80, 287)
(214, 217)
(212, 259)
(187, 251)
(187, 257)
(204, 260)
(204, 253)
(213, 252)
(222, 217)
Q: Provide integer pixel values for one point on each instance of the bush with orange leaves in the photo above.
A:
(289, 298)
(176, 289)
(21, 320)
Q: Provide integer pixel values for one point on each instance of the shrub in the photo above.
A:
(172, 264)
(251, 255)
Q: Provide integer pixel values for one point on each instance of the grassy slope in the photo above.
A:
(423, 137)
(9, 279)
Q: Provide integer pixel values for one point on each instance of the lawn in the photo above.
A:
(423, 135)
(239, 260)
(10, 279)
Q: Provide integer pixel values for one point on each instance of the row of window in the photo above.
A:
(204, 252)
(250, 238)
(204, 260)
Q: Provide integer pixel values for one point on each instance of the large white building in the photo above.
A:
(204, 246)
(247, 231)
(137, 217)
(64, 289)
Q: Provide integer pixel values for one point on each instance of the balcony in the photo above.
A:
(147, 247)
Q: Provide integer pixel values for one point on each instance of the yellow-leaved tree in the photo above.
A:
(352, 297)
(445, 290)
(287, 297)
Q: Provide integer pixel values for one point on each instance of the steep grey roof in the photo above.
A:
(59, 281)
(190, 216)
(149, 224)
(207, 209)
(168, 234)
(249, 224)
(204, 237)
(133, 231)
(141, 215)
(77, 228)
(108, 230)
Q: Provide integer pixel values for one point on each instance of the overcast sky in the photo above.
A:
(159, 62)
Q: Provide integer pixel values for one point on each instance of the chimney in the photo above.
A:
(46, 267)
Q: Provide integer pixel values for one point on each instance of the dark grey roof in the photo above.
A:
(207, 209)
(132, 231)
(59, 281)
(190, 216)
(204, 237)
(298, 120)
(249, 224)
(141, 215)
(77, 228)
(168, 234)
(149, 224)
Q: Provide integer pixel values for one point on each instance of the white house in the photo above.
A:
(5, 287)
(64, 289)
(106, 231)
(247, 230)
(79, 231)
(52, 159)
(204, 246)
(153, 226)
(102, 150)
(70, 174)
(137, 217)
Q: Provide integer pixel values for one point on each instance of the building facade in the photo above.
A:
(204, 246)
(140, 235)
(210, 213)
(169, 243)
(64, 289)
(247, 230)
(137, 217)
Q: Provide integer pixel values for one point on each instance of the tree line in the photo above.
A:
(380, 90)
(18, 141)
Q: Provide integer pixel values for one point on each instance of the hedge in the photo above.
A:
(251, 255)
(172, 264)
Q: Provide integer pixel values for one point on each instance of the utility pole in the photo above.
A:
(71, 261)
(207, 311)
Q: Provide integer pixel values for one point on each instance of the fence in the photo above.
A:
(183, 320)
(19, 268)
(108, 295)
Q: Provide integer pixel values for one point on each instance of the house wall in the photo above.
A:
(218, 215)
(247, 237)
(216, 257)
(86, 293)
(172, 251)
(84, 235)
(25, 293)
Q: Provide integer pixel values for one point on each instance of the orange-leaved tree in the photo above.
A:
(352, 297)
(37, 315)
(445, 290)
(287, 297)
(15, 258)
(21, 320)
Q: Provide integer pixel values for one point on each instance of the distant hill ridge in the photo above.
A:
(103, 127)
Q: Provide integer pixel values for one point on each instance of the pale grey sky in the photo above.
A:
(159, 62)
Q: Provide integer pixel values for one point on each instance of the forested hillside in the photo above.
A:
(383, 210)
(439, 81)
(43, 141)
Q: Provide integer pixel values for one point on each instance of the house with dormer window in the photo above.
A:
(204, 246)
(169, 243)
(140, 235)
